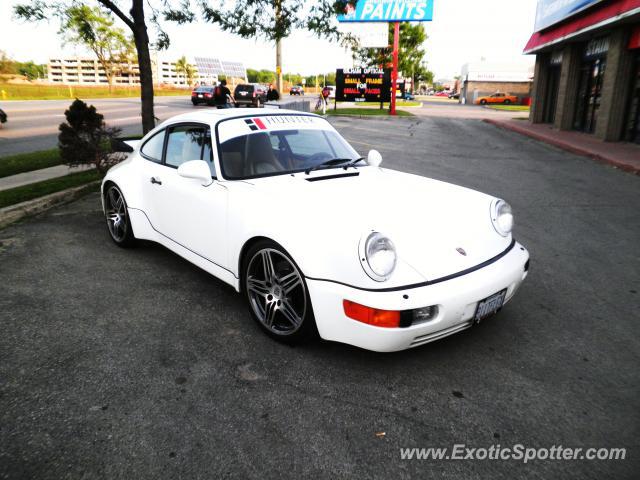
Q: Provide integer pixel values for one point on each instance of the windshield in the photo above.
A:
(279, 151)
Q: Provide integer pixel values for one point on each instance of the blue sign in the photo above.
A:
(389, 11)
(550, 12)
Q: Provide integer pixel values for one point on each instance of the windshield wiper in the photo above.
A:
(333, 162)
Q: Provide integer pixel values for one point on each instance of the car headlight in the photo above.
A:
(378, 256)
(502, 217)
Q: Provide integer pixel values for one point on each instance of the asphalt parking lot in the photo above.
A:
(135, 364)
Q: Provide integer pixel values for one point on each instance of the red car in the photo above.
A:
(442, 94)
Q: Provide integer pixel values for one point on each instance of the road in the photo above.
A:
(33, 125)
(135, 364)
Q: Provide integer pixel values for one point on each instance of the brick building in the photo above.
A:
(587, 72)
(483, 78)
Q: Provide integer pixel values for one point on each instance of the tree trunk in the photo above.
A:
(141, 39)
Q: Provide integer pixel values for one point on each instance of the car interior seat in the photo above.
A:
(259, 158)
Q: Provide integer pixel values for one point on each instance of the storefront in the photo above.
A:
(587, 74)
(632, 130)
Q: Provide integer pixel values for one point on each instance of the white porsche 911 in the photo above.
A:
(317, 239)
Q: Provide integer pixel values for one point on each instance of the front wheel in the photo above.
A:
(277, 294)
(117, 216)
(507, 102)
(483, 102)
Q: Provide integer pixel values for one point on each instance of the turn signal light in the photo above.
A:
(372, 316)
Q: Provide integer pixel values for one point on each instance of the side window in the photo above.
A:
(207, 152)
(185, 143)
(152, 148)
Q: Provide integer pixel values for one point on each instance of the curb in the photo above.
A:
(565, 146)
(13, 213)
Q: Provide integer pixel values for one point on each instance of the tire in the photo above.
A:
(507, 102)
(194, 103)
(483, 102)
(277, 296)
(257, 105)
(117, 217)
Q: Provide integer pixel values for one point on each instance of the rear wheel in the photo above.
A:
(257, 102)
(507, 101)
(277, 294)
(117, 216)
(483, 102)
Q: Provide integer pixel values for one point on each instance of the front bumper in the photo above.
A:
(457, 300)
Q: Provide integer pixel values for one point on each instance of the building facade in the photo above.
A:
(479, 79)
(587, 72)
(88, 71)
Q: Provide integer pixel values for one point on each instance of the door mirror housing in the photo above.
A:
(374, 158)
(196, 169)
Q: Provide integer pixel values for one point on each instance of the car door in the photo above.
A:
(184, 211)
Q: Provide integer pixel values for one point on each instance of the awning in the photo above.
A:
(596, 17)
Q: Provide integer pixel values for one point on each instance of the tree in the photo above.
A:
(38, 10)
(410, 52)
(272, 20)
(7, 65)
(85, 139)
(94, 29)
(32, 70)
(186, 69)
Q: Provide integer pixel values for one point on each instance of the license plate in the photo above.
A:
(489, 306)
(200, 96)
(243, 93)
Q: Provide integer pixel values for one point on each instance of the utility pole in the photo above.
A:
(278, 12)
(394, 72)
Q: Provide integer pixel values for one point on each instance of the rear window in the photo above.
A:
(244, 88)
(204, 89)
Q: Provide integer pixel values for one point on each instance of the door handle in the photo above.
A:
(156, 180)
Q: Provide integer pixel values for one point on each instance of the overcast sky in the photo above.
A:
(461, 31)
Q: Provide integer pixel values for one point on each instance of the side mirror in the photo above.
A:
(196, 169)
(374, 158)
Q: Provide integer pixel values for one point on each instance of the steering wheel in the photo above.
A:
(317, 158)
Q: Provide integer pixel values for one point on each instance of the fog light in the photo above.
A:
(425, 314)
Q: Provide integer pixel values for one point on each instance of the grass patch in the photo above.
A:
(510, 108)
(40, 189)
(62, 92)
(27, 162)
(370, 112)
(399, 103)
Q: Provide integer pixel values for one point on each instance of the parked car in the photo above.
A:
(408, 96)
(203, 183)
(497, 97)
(454, 95)
(202, 95)
(443, 93)
(250, 94)
(296, 90)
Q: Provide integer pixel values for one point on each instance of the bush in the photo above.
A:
(85, 139)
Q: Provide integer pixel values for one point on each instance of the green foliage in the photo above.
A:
(27, 162)
(271, 19)
(186, 69)
(16, 195)
(410, 53)
(94, 29)
(29, 69)
(85, 139)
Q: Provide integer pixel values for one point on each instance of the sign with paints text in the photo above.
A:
(388, 11)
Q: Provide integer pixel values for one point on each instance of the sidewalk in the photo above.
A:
(625, 156)
(34, 176)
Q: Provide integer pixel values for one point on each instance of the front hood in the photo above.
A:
(427, 220)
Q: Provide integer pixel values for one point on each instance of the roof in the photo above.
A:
(596, 17)
(214, 115)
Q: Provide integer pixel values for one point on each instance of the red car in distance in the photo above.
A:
(202, 95)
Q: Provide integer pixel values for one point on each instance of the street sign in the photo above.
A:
(388, 11)
(363, 85)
